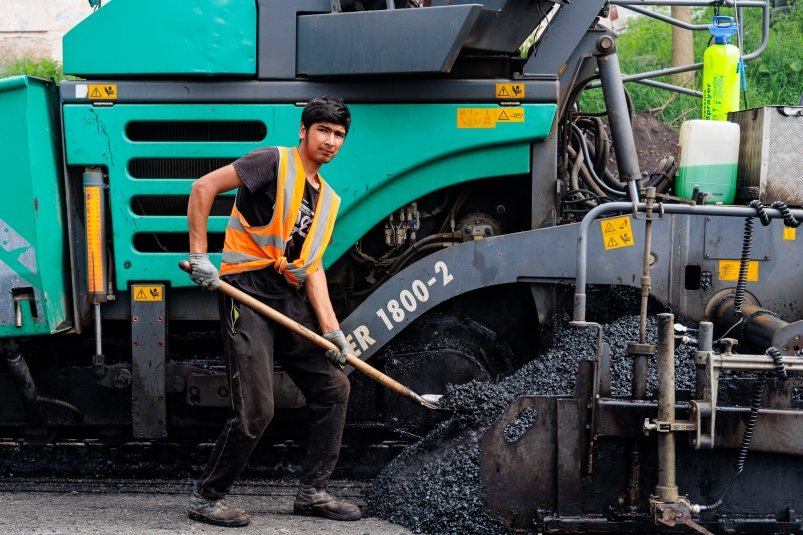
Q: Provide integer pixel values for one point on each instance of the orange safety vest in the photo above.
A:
(247, 248)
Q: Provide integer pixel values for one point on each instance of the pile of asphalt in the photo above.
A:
(434, 486)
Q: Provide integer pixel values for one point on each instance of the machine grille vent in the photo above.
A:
(175, 167)
(174, 242)
(160, 205)
(198, 131)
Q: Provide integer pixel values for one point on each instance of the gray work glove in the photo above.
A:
(204, 273)
(337, 356)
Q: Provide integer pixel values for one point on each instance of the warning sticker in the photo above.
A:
(147, 293)
(476, 117)
(511, 115)
(729, 270)
(789, 233)
(488, 117)
(616, 232)
(102, 92)
(514, 91)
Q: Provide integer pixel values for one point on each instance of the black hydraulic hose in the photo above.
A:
(578, 167)
(438, 209)
(63, 404)
(584, 170)
(427, 244)
(577, 202)
(602, 171)
(601, 146)
(609, 179)
(21, 374)
(441, 236)
(406, 258)
(599, 182)
(458, 203)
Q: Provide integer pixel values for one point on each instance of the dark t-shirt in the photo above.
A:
(259, 171)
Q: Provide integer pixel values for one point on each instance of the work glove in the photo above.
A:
(337, 356)
(203, 272)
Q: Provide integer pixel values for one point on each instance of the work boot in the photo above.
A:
(318, 502)
(216, 512)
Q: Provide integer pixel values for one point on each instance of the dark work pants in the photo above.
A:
(250, 342)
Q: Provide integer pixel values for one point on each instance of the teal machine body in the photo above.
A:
(471, 183)
(34, 266)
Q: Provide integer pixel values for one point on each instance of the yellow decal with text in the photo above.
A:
(488, 117)
(509, 91)
(102, 91)
(789, 233)
(729, 270)
(147, 293)
(616, 232)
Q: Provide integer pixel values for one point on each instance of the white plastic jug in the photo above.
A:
(708, 155)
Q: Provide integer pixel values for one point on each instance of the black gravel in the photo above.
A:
(433, 487)
(520, 424)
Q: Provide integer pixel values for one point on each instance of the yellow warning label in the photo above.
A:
(488, 117)
(729, 270)
(102, 91)
(147, 293)
(789, 233)
(511, 115)
(476, 117)
(616, 232)
(509, 91)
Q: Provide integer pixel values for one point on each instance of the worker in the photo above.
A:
(279, 227)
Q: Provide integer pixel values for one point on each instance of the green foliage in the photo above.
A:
(40, 68)
(775, 77)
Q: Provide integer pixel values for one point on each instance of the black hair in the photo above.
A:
(326, 109)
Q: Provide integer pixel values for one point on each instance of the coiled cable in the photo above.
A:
(744, 265)
(780, 367)
(788, 219)
(761, 211)
(747, 437)
(747, 244)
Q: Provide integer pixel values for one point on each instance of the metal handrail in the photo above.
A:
(645, 77)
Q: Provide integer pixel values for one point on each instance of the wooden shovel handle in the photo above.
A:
(281, 319)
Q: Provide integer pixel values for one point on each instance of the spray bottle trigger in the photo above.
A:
(741, 68)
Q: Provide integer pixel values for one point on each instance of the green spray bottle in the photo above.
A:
(721, 71)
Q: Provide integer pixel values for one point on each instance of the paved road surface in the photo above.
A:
(127, 507)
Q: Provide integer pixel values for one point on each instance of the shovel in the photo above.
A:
(427, 400)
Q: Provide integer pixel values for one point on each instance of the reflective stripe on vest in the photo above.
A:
(248, 248)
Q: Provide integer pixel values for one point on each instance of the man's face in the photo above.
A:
(322, 141)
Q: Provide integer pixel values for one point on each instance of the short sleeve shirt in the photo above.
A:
(256, 201)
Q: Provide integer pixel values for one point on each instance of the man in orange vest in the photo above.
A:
(279, 227)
